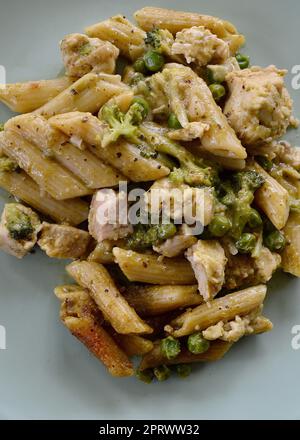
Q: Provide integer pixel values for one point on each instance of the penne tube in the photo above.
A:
(29, 96)
(219, 309)
(48, 174)
(156, 300)
(122, 155)
(154, 358)
(79, 314)
(87, 94)
(103, 251)
(133, 345)
(291, 253)
(272, 198)
(261, 325)
(150, 18)
(103, 290)
(123, 34)
(153, 269)
(72, 211)
(53, 143)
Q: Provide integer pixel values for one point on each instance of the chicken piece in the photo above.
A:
(108, 216)
(18, 229)
(82, 54)
(289, 155)
(60, 241)
(200, 46)
(259, 106)
(175, 246)
(208, 261)
(193, 130)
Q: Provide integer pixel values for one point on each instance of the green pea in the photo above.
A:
(219, 225)
(154, 61)
(266, 163)
(143, 103)
(255, 220)
(162, 373)
(275, 241)
(183, 370)
(173, 122)
(243, 60)
(218, 91)
(170, 347)
(140, 66)
(246, 243)
(145, 375)
(197, 344)
(136, 78)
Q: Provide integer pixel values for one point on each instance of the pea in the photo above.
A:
(243, 60)
(162, 373)
(140, 66)
(255, 220)
(154, 61)
(170, 347)
(246, 243)
(197, 344)
(173, 122)
(143, 103)
(145, 375)
(275, 241)
(218, 91)
(219, 226)
(183, 370)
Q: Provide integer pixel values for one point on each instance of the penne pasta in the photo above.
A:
(103, 290)
(79, 314)
(20, 185)
(291, 254)
(156, 300)
(87, 94)
(153, 269)
(123, 34)
(49, 175)
(133, 345)
(154, 358)
(219, 309)
(103, 252)
(29, 96)
(272, 198)
(150, 18)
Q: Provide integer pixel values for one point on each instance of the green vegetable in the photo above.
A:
(136, 78)
(255, 220)
(295, 205)
(85, 49)
(170, 347)
(140, 66)
(264, 162)
(7, 164)
(18, 223)
(246, 243)
(153, 39)
(145, 237)
(145, 375)
(1, 126)
(173, 122)
(275, 241)
(197, 344)
(243, 60)
(218, 91)
(154, 61)
(143, 103)
(219, 226)
(183, 370)
(162, 373)
(248, 180)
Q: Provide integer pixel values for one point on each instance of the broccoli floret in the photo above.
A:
(170, 347)
(153, 39)
(248, 180)
(7, 164)
(145, 237)
(18, 223)
(122, 124)
(160, 40)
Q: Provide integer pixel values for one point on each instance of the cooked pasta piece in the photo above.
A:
(29, 96)
(272, 198)
(103, 290)
(20, 185)
(103, 252)
(150, 18)
(47, 173)
(133, 345)
(219, 309)
(153, 269)
(156, 300)
(80, 315)
(82, 54)
(291, 253)
(53, 143)
(154, 358)
(61, 241)
(123, 34)
(87, 94)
